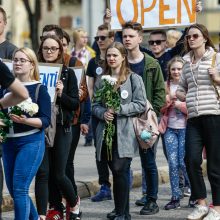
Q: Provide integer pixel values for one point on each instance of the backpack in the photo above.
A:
(146, 126)
(51, 130)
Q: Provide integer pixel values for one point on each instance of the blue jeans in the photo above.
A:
(149, 166)
(22, 157)
(175, 148)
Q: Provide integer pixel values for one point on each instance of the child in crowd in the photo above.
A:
(174, 135)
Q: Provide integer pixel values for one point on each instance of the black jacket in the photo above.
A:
(69, 100)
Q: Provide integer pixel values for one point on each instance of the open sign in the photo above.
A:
(153, 13)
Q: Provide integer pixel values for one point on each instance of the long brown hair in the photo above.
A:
(205, 34)
(60, 55)
(124, 71)
(34, 74)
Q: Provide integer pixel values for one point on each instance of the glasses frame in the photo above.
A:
(21, 60)
(157, 42)
(102, 38)
(51, 49)
(193, 36)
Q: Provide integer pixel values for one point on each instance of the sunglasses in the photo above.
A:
(157, 42)
(102, 38)
(193, 36)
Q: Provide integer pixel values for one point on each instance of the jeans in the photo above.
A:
(22, 157)
(203, 131)
(175, 148)
(149, 166)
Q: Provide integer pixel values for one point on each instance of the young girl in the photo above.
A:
(175, 132)
(51, 51)
(24, 148)
(132, 102)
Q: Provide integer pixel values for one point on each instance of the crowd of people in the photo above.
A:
(181, 80)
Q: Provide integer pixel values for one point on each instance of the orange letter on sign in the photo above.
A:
(143, 10)
(191, 14)
(118, 11)
(162, 8)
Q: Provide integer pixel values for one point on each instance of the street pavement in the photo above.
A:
(86, 177)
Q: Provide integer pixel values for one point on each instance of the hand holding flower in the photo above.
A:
(18, 119)
(108, 116)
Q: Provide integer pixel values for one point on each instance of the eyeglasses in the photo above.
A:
(51, 49)
(193, 36)
(157, 42)
(102, 38)
(21, 60)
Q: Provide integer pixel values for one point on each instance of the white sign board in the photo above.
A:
(153, 13)
(79, 72)
(49, 74)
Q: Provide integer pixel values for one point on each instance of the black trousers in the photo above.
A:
(41, 185)
(203, 131)
(70, 161)
(120, 168)
(58, 180)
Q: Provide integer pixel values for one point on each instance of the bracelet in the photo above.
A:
(1, 107)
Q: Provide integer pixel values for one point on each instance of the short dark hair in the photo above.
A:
(162, 32)
(4, 14)
(103, 27)
(133, 25)
(66, 36)
(53, 27)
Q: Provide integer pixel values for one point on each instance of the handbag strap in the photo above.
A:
(212, 81)
(37, 91)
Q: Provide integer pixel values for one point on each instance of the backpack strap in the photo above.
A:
(212, 81)
(37, 91)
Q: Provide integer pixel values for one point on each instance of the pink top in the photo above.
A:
(176, 117)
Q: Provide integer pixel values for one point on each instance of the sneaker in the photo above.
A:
(142, 201)
(212, 215)
(103, 194)
(187, 192)
(173, 204)
(112, 214)
(192, 203)
(150, 208)
(53, 214)
(198, 213)
(74, 216)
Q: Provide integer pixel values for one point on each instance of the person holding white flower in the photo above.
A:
(24, 147)
(132, 100)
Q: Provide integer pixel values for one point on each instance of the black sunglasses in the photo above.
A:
(157, 42)
(193, 36)
(102, 38)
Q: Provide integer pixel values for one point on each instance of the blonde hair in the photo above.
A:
(34, 75)
(77, 33)
(172, 37)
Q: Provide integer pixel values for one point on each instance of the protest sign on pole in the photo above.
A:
(49, 74)
(153, 13)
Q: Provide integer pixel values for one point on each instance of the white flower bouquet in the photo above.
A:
(27, 106)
